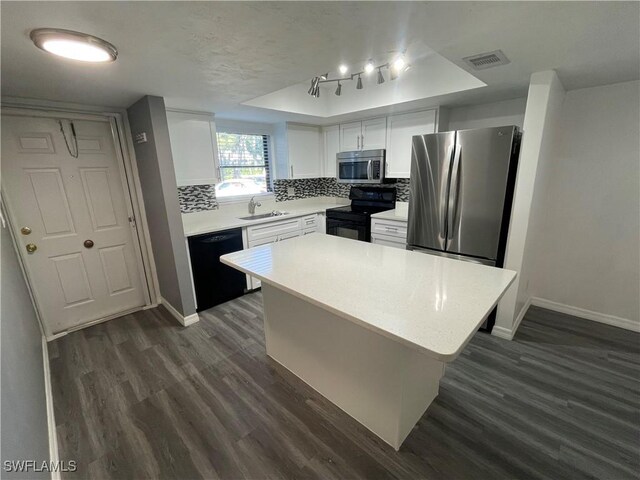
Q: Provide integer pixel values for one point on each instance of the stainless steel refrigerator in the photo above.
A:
(461, 193)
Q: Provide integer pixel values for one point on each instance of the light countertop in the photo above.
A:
(228, 215)
(400, 213)
(432, 303)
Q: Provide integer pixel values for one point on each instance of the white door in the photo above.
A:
(74, 212)
(350, 136)
(400, 131)
(331, 149)
(304, 151)
(374, 134)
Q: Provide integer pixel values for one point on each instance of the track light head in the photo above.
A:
(369, 67)
(339, 89)
(359, 84)
(380, 76)
(324, 76)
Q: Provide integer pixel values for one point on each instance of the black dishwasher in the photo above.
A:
(215, 283)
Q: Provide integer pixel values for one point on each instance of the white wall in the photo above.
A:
(544, 103)
(586, 244)
(496, 114)
(25, 433)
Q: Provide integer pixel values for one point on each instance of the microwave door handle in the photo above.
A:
(369, 170)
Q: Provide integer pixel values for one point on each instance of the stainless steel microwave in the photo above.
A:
(361, 166)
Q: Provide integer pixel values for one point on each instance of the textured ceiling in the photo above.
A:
(214, 55)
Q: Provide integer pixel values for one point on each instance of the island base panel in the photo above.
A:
(383, 384)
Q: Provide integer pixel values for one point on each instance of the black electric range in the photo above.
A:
(354, 221)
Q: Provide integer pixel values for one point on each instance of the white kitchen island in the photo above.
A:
(369, 327)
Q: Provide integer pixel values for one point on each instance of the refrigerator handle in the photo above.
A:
(444, 191)
(453, 191)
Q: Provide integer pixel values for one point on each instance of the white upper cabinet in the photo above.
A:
(374, 134)
(193, 147)
(304, 148)
(350, 134)
(366, 135)
(400, 130)
(331, 137)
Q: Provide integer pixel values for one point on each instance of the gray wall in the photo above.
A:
(24, 410)
(160, 193)
(496, 114)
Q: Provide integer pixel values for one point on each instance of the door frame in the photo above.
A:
(126, 161)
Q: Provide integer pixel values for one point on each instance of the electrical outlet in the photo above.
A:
(291, 191)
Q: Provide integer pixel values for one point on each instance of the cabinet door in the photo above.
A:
(331, 148)
(193, 147)
(400, 130)
(350, 136)
(304, 144)
(374, 134)
(253, 281)
(388, 241)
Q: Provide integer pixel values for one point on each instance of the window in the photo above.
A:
(244, 164)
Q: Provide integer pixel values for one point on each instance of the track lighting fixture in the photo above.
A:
(395, 68)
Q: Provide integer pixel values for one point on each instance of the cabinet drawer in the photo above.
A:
(307, 231)
(310, 221)
(389, 227)
(272, 229)
(284, 236)
(263, 241)
(388, 241)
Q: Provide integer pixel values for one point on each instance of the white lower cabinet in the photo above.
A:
(391, 233)
(278, 231)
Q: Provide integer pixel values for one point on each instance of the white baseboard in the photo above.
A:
(509, 333)
(185, 321)
(612, 320)
(51, 421)
(502, 332)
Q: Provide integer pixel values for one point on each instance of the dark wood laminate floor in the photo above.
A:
(140, 397)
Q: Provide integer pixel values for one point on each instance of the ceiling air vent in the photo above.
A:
(486, 60)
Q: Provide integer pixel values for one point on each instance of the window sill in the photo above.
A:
(245, 198)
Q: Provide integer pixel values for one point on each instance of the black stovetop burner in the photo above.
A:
(353, 221)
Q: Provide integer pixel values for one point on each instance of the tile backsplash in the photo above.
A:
(198, 198)
(327, 187)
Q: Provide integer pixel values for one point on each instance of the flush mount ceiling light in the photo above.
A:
(73, 45)
(396, 67)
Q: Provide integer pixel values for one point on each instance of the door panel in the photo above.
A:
(374, 134)
(350, 136)
(478, 188)
(66, 201)
(429, 188)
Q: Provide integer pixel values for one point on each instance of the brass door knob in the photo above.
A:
(25, 230)
(31, 247)
(88, 243)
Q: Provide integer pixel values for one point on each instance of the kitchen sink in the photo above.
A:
(275, 213)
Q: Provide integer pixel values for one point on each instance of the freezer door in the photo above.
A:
(429, 189)
(478, 187)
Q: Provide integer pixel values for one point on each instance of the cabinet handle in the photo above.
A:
(291, 167)
(358, 142)
(391, 229)
(361, 142)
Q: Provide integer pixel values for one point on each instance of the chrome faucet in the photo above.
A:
(252, 206)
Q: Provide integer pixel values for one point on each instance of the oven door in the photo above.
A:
(347, 229)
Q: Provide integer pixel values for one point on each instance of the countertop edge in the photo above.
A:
(249, 223)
